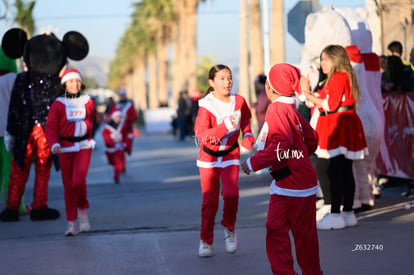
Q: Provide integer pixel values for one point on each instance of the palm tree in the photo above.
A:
(204, 65)
(244, 86)
(185, 46)
(157, 25)
(256, 44)
(278, 42)
(157, 16)
(24, 16)
(130, 58)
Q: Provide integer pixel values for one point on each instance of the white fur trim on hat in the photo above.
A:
(284, 79)
(70, 74)
(116, 113)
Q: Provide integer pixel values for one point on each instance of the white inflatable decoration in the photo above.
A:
(345, 27)
(322, 28)
(370, 107)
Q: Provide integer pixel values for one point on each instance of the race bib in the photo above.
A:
(75, 113)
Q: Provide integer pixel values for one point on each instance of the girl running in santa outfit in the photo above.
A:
(69, 131)
(114, 145)
(341, 135)
(284, 144)
(221, 116)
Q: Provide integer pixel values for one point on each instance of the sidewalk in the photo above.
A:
(150, 222)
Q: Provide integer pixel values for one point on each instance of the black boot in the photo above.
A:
(8, 215)
(44, 214)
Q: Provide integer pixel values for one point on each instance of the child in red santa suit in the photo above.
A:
(69, 131)
(221, 117)
(129, 116)
(284, 144)
(114, 146)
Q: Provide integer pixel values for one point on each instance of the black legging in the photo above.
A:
(321, 166)
(342, 183)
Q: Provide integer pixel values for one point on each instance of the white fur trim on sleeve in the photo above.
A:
(228, 124)
(56, 145)
(249, 164)
(325, 105)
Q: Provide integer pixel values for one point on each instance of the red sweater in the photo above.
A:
(60, 126)
(212, 132)
(287, 140)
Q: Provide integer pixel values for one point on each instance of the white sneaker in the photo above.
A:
(323, 211)
(320, 203)
(84, 225)
(205, 250)
(349, 217)
(331, 221)
(72, 229)
(230, 241)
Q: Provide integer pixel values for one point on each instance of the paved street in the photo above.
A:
(150, 222)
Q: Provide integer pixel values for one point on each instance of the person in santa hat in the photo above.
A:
(114, 146)
(129, 116)
(221, 117)
(284, 144)
(341, 135)
(69, 134)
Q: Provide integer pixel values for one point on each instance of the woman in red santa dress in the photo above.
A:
(221, 117)
(341, 135)
(69, 134)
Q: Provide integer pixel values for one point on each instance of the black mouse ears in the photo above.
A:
(14, 41)
(76, 45)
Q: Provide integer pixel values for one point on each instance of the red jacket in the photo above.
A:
(112, 138)
(287, 140)
(213, 131)
(69, 124)
(339, 132)
(129, 116)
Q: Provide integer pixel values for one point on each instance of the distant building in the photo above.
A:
(397, 24)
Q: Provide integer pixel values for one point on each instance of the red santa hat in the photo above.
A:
(70, 74)
(115, 114)
(354, 53)
(284, 79)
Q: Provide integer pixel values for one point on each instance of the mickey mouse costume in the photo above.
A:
(33, 93)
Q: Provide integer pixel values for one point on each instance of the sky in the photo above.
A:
(103, 22)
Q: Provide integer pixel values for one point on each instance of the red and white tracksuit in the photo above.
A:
(284, 144)
(129, 116)
(215, 133)
(114, 148)
(69, 125)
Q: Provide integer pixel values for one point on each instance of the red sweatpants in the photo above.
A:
(74, 167)
(210, 188)
(128, 138)
(298, 215)
(117, 160)
(38, 148)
